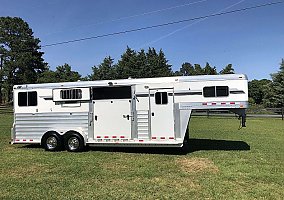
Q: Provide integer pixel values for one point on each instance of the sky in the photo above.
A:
(253, 40)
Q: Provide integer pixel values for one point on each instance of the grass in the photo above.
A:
(223, 163)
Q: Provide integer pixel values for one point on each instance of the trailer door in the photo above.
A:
(162, 116)
(112, 113)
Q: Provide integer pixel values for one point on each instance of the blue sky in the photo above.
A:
(252, 41)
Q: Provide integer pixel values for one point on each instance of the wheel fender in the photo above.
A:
(49, 131)
(81, 132)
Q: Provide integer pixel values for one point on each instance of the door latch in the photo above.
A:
(127, 116)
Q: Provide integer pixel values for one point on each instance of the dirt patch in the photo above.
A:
(195, 165)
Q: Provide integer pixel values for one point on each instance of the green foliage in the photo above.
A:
(22, 61)
(208, 70)
(62, 73)
(106, 70)
(274, 91)
(198, 69)
(227, 70)
(256, 89)
(133, 64)
(186, 70)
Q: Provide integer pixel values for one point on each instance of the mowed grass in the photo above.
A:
(223, 163)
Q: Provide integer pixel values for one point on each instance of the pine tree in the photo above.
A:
(187, 69)
(127, 65)
(22, 61)
(274, 91)
(227, 70)
(208, 70)
(105, 71)
(198, 69)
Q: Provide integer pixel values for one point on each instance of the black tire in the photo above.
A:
(52, 141)
(74, 142)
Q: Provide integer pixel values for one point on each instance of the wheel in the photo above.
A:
(74, 142)
(52, 141)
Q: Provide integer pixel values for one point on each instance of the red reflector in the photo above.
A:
(232, 102)
(223, 103)
(113, 136)
(31, 140)
(17, 140)
(163, 138)
(154, 137)
(204, 104)
(213, 103)
(98, 136)
(106, 136)
(24, 140)
(122, 137)
(140, 140)
(171, 138)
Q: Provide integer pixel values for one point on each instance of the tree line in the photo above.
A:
(22, 63)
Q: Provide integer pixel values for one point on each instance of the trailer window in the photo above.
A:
(209, 91)
(123, 92)
(222, 91)
(27, 98)
(161, 98)
(216, 91)
(71, 94)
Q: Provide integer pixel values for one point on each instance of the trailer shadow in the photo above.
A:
(193, 146)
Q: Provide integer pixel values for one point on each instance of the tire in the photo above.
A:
(74, 142)
(52, 141)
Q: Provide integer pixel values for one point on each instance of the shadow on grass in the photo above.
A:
(193, 145)
(222, 145)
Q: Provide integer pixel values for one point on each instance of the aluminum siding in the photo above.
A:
(34, 125)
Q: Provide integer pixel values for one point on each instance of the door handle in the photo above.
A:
(153, 114)
(127, 116)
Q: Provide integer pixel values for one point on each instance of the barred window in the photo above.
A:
(71, 94)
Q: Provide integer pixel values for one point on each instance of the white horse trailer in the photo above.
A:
(150, 112)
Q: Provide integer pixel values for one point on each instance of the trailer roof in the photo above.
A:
(133, 81)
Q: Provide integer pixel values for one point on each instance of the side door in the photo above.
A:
(112, 113)
(162, 113)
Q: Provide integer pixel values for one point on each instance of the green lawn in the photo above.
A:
(224, 163)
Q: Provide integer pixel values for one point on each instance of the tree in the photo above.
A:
(63, 73)
(22, 61)
(208, 70)
(48, 76)
(143, 65)
(227, 70)
(198, 69)
(126, 66)
(256, 90)
(105, 71)
(162, 68)
(187, 69)
(274, 91)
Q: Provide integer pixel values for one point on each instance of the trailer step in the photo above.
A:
(143, 124)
